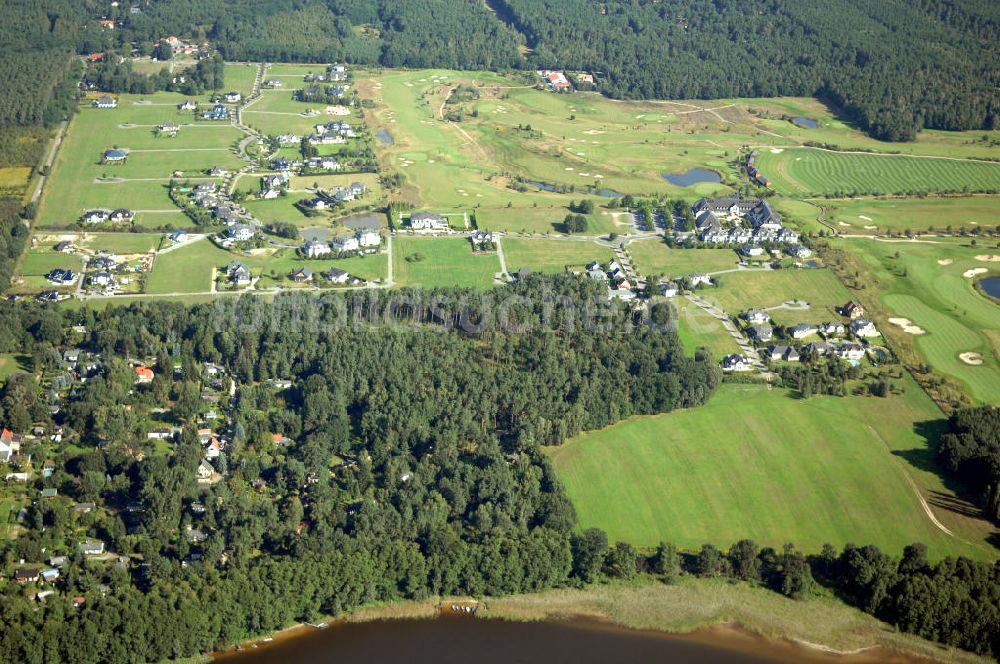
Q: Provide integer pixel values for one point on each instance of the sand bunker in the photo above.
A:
(989, 258)
(843, 223)
(861, 216)
(870, 228)
(974, 271)
(907, 325)
(945, 261)
(777, 150)
(975, 359)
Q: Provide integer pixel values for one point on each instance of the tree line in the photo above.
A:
(971, 450)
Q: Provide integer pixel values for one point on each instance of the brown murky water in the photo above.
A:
(464, 640)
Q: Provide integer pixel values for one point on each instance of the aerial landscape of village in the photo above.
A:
(712, 361)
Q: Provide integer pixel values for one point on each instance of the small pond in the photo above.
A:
(805, 123)
(693, 176)
(319, 234)
(544, 186)
(991, 286)
(364, 221)
(383, 136)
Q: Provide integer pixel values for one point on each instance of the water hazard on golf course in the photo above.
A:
(692, 177)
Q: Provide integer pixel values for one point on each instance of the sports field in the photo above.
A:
(815, 172)
(552, 256)
(927, 285)
(827, 469)
(431, 262)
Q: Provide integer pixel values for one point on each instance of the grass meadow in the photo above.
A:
(552, 256)
(698, 329)
(814, 172)
(652, 257)
(820, 288)
(445, 262)
(828, 469)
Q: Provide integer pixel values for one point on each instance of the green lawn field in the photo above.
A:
(187, 269)
(240, 77)
(915, 214)
(11, 363)
(698, 329)
(824, 470)
(653, 257)
(552, 256)
(936, 296)
(763, 290)
(813, 172)
(547, 219)
(446, 262)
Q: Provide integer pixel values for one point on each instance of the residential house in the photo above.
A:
(121, 216)
(337, 276)
(238, 273)
(367, 239)
(763, 216)
(668, 289)
(799, 251)
(761, 333)
(315, 249)
(803, 330)
(205, 470)
(187, 105)
(205, 188)
(50, 575)
(820, 348)
(786, 353)
(64, 247)
(233, 97)
(218, 172)
(480, 238)
(302, 275)
(345, 244)
(863, 328)
(84, 507)
(751, 251)
(853, 310)
(218, 112)
(428, 221)
(106, 101)
(849, 351)
(699, 279)
(143, 375)
(61, 277)
(115, 156)
(178, 236)
(26, 575)
(240, 233)
(756, 316)
(101, 279)
(92, 548)
(10, 445)
(832, 328)
(736, 362)
(95, 217)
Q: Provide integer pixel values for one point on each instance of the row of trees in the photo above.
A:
(971, 450)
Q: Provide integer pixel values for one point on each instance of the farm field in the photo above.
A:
(752, 289)
(917, 215)
(552, 256)
(927, 284)
(841, 478)
(653, 257)
(813, 172)
(698, 329)
(445, 262)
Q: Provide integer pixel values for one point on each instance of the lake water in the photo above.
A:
(383, 136)
(544, 186)
(318, 234)
(805, 123)
(364, 221)
(464, 640)
(693, 176)
(991, 286)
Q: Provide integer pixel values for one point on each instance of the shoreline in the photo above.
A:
(712, 612)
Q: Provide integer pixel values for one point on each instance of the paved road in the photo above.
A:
(503, 260)
(741, 340)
